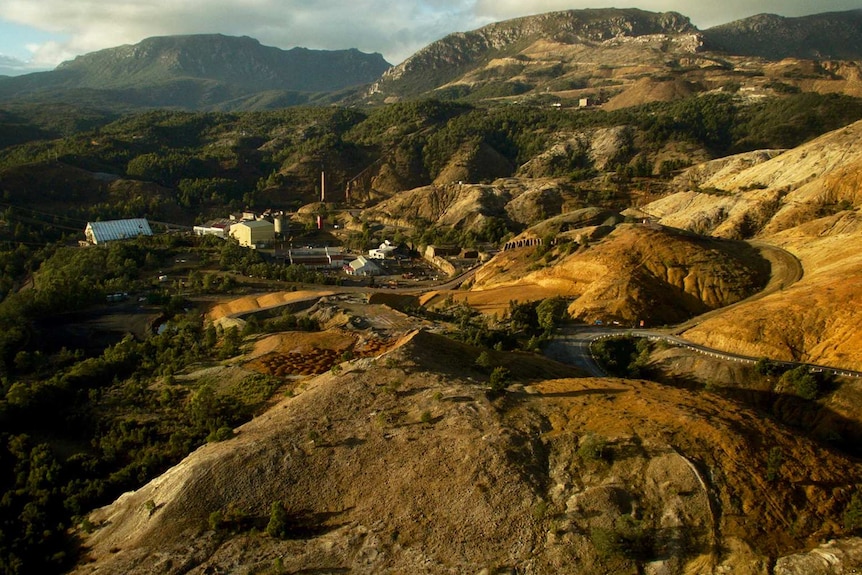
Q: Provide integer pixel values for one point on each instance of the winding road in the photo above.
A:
(573, 346)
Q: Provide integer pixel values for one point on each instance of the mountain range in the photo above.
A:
(207, 71)
(593, 170)
(546, 54)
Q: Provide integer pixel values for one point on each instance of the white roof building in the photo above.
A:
(101, 232)
(385, 250)
(362, 266)
(218, 229)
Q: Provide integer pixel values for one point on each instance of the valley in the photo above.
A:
(571, 293)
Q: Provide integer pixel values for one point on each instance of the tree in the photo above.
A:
(522, 316)
(804, 384)
(278, 521)
(231, 343)
(500, 379)
(484, 360)
(853, 513)
(766, 366)
(551, 312)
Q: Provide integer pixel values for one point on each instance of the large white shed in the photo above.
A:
(111, 230)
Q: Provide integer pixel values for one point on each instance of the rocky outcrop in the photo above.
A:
(444, 60)
(833, 558)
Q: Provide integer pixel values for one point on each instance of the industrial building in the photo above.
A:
(317, 258)
(362, 266)
(112, 230)
(253, 234)
(218, 228)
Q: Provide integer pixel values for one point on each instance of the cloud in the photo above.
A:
(396, 28)
(393, 27)
(11, 66)
(702, 14)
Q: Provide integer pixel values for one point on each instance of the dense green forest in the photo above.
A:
(80, 424)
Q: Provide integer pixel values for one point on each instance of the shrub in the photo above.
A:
(853, 513)
(773, 463)
(278, 524)
(216, 520)
(221, 434)
(608, 542)
(627, 539)
(500, 379)
(593, 447)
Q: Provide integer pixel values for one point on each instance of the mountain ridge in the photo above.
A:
(591, 54)
(594, 25)
(201, 71)
(829, 36)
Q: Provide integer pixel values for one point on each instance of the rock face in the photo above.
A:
(632, 273)
(444, 60)
(830, 559)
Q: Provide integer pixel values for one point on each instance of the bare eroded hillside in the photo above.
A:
(629, 272)
(403, 464)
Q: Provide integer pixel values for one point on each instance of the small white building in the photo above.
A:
(101, 232)
(386, 250)
(362, 266)
(218, 229)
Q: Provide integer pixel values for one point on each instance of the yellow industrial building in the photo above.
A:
(253, 234)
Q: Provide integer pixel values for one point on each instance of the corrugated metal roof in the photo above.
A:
(363, 262)
(98, 232)
(256, 224)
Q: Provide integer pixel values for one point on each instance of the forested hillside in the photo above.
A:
(119, 416)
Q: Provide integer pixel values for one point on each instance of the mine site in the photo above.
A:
(575, 292)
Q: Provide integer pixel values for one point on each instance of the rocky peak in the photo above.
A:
(458, 50)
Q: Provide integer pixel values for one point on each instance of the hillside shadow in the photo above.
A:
(311, 524)
(816, 421)
(819, 423)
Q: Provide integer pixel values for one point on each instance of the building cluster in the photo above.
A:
(258, 232)
(249, 229)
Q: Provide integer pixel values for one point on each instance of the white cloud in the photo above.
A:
(702, 14)
(396, 28)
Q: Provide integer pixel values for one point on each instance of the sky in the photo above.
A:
(38, 35)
